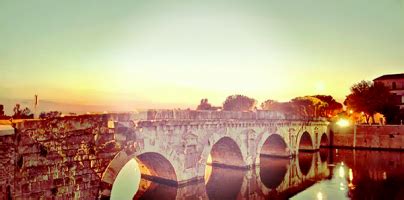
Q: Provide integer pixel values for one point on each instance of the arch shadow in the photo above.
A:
(226, 153)
(275, 146)
(324, 142)
(306, 143)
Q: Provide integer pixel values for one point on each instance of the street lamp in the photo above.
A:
(343, 122)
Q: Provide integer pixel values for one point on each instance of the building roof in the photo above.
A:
(390, 76)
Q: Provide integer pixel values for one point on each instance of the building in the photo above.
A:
(395, 83)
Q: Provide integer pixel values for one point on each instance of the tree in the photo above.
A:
(204, 105)
(239, 103)
(1, 110)
(268, 104)
(17, 111)
(369, 98)
(333, 107)
(51, 114)
(282, 107)
(22, 114)
(309, 106)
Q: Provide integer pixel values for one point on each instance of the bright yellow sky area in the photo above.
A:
(160, 54)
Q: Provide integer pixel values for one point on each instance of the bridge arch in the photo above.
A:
(226, 152)
(305, 142)
(324, 141)
(222, 143)
(154, 166)
(275, 146)
(271, 144)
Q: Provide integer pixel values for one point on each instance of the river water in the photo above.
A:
(328, 174)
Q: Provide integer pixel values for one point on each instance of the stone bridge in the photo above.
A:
(276, 178)
(80, 156)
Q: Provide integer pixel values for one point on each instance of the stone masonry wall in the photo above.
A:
(7, 157)
(61, 158)
(375, 137)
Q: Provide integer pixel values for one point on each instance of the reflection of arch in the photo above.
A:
(153, 166)
(226, 153)
(225, 183)
(273, 171)
(275, 145)
(305, 162)
(324, 140)
(153, 190)
(305, 142)
(324, 154)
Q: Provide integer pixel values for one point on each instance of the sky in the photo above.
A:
(173, 53)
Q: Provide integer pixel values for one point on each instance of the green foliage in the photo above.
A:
(239, 103)
(51, 114)
(370, 98)
(333, 107)
(1, 110)
(306, 106)
(204, 105)
(309, 106)
(22, 114)
(268, 104)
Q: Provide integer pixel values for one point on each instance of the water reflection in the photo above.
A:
(273, 170)
(361, 174)
(324, 154)
(225, 183)
(305, 161)
(152, 190)
(350, 175)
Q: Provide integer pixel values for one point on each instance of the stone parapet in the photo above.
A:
(370, 137)
(218, 115)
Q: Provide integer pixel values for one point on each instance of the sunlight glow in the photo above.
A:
(343, 122)
(127, 182)
(208, 169)
(341, 172)
(350, 175)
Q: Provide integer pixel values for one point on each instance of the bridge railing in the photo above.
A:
(213, 115)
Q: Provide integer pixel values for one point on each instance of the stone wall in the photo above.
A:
(7, 157)
(61, 158)
(374, 137)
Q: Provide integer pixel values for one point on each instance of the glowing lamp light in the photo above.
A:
(343, 122)
(341, 172)
(320, 196)
(350, 173)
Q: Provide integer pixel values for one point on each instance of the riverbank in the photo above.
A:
(381, 137)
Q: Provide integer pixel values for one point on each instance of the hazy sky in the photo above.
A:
(163, 52)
